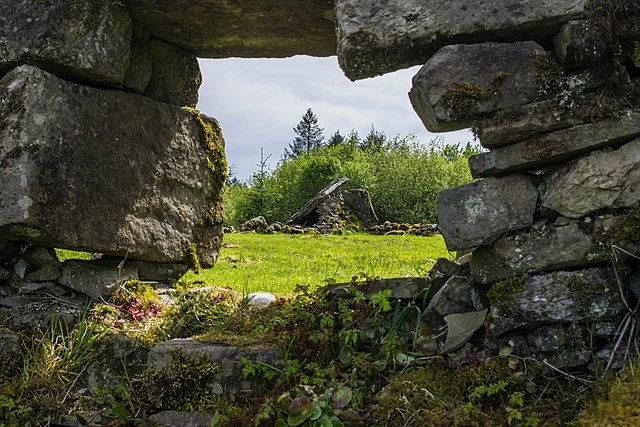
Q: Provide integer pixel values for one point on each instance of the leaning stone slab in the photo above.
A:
(560, 297)
(478, 213)
(78, 40)
(461, 327)
(396, 34)
(458, 295)
(556, 147)
(255, 29)
(603, 179)
(463, 82)
(230, 378)
(96, 279)
(309, 208)
(107, 171)
(176, 76)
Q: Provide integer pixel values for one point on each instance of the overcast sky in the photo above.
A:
(259, 101)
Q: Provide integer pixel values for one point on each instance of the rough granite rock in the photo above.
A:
(461, 327)
(176, 76)
(256, 29)
(520, 123)
(180, 419)
(140, 66)
(77, 40)
(548, 248)
(560, 297)
(96, 279)
(458, 295)
(558, 147)
(230, 378)
(38, 256)
(463, 82)
(603, 179)
(161, 271)
(476, 214)
(379, 37)
(91, 169)
(571, 45)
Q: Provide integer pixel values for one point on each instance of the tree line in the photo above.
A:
(402, 175)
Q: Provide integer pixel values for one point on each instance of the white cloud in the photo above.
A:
(259, 101)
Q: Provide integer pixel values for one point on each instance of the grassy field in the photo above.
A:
(277, 263)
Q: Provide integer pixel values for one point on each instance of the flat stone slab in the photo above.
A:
(107, 171)
(95, 279)
(406, 288)
(555, 147)
(256, 29)
(378, 38)
(461, 327)
(230, 378)
(549, 248)
(80, 40)
(603, 179)
(478, 213)
(463, 82)
(521, 123)
(562, 296)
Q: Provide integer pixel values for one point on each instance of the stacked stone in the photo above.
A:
(559, 189)
(101, 149)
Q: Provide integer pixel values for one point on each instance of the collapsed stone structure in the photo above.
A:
(101, 150)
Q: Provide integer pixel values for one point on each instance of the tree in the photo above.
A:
(374, 141)
(309, 136)
(336, 139)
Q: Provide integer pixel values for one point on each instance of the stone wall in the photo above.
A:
(101, 150)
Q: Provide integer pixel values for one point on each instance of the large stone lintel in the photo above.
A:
(106, 171)
(377, 38)
(256, 29)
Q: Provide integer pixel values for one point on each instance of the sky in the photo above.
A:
(258, 102)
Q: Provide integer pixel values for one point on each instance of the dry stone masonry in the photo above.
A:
(101, 150)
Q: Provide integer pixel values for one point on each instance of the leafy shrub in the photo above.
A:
(403, 177)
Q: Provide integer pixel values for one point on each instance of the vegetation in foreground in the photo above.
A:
(350, 361)
(278, 263)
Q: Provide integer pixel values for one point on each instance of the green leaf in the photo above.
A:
(505, 352)
(280, 423)
(346, 355)
(323, 422)
(317, 413)
(341, 397)
(301, 408)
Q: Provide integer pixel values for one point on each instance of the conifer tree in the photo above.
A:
(309, 136)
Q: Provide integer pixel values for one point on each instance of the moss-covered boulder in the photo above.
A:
(108, 171)
(461, 83)
(77, 40)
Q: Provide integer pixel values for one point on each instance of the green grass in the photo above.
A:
(277, 263)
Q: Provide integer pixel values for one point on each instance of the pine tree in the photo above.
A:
(309, 136)
(336, 139)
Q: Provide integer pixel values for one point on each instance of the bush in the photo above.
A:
(402, 176)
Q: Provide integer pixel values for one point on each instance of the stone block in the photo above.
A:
(230, 378)
(176, 76)
(463, 82)
(140, 66)
(396, 34)
(77, 40)
(589, 295)
(549, 248)
(571, 45)
(98, 280)
(107, 171)
(556, 147)
(476, 214)
(603, 179)
(458, 295)
(523, 122)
